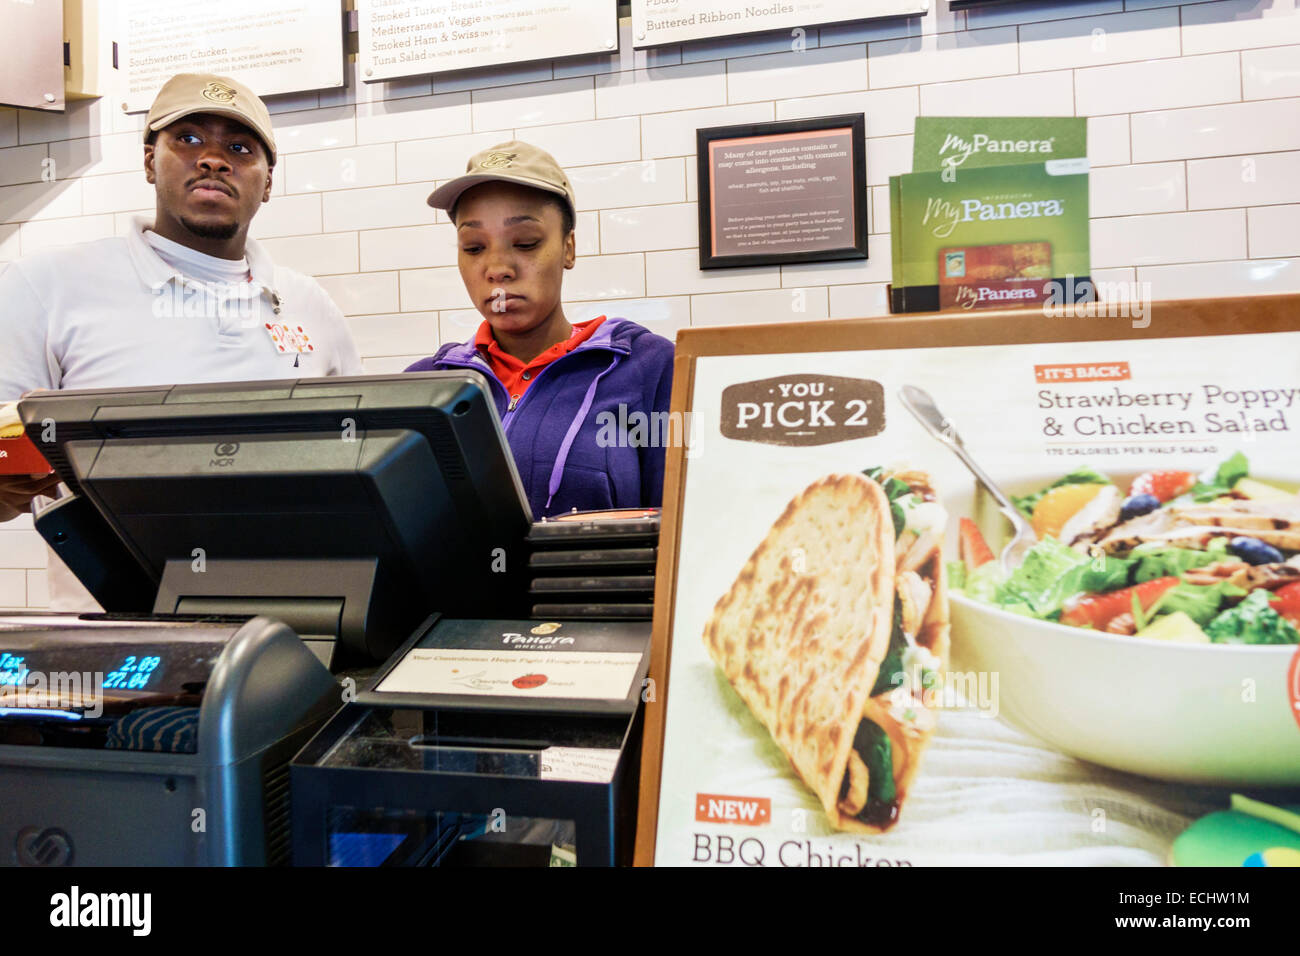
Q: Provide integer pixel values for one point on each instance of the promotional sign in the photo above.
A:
(853, 667)
(655, 22)
(967, 142)
(994, 213)
(780, 192)
(271, 46)
(409, 37)
(988, 236)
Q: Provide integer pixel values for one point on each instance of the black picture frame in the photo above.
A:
(854, 122)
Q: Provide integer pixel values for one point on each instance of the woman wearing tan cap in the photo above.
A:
(584, 405)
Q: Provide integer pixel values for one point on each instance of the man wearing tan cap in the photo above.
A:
(584, 405)
(185, 296)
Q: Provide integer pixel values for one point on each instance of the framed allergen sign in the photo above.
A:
(792, 191)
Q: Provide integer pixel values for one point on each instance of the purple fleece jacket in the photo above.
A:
(574, 433)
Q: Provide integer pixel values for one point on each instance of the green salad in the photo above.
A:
(1213, 558)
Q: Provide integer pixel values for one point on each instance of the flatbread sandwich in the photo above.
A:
(834, 631)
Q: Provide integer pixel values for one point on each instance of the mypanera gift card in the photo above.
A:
(990, 236)
(983, 276)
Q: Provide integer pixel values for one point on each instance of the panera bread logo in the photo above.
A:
(803, 410)
(218, 93)
(496, 160)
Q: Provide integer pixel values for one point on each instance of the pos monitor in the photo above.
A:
(350, 508)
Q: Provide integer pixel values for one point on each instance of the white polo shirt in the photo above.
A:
(113, 314)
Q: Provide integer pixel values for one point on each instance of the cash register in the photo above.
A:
(152, 742)
(375, 519)
(245, 539)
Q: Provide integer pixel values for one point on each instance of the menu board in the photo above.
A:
(852, 671)
(656, 22)
(271, 46)
(410, 37)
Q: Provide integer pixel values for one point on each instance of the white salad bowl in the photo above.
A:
(1217, 714)
(1196, 713)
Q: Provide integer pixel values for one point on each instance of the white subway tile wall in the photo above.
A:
(9, 244)
(23, 164)
(1021, 94)
(1194, 136)
(8, 128)
(1274, 71)
(1274, 231)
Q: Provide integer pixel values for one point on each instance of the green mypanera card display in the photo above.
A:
(990, 236)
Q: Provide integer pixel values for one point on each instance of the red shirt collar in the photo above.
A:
(515, 374)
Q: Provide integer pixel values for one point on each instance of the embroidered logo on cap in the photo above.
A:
(497, 160)
(218, 94)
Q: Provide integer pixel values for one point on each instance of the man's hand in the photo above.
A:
(17, 492)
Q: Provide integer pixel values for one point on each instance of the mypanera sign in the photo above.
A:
(803, 410)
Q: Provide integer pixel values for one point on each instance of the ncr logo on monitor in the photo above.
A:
(224, 454)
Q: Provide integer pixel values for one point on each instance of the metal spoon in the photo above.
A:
(920, 404)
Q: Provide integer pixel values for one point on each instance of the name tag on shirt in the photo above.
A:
(289, 338)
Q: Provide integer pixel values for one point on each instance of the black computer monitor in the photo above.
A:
(348, 507)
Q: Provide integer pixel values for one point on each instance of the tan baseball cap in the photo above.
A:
(188, 93)
(512, 162)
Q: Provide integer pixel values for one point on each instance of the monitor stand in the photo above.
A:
(337, 606)
(92, 551)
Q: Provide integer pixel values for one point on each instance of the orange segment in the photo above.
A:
(1059, 505)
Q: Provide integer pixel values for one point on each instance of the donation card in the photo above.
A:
(521, 660)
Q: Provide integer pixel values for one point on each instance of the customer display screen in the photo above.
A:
(105, 684)
(103, 664)
(115, 667)
(134, 673)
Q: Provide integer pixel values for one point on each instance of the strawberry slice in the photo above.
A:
(972, 547)
(1286, 601)
(1165, 485)
(1097, 610)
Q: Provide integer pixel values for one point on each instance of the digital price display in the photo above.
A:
(134, 673)
(140, 671)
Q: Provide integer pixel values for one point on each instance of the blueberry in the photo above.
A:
(1137, 505)
(1254, 551)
